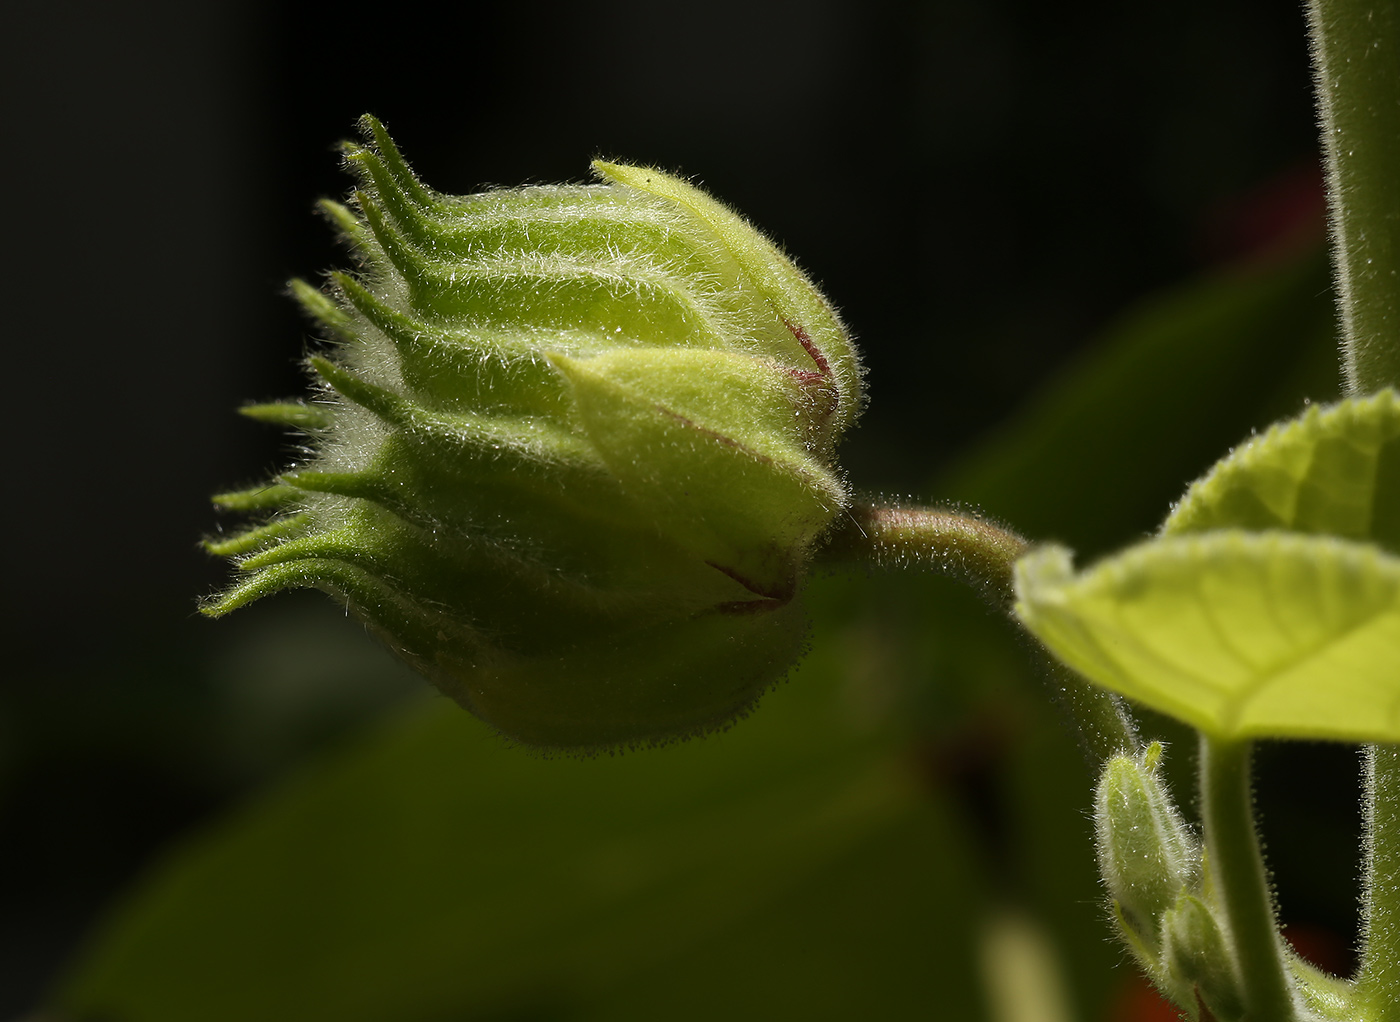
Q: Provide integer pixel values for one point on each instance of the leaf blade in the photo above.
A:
(1331, 470)
(1243, 635)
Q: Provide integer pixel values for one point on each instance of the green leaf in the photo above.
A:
(1243, 635)
(1333, 470)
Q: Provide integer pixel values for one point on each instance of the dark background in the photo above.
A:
(979, 186)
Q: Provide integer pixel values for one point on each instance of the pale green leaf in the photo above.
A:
(1333, 470)
(1243, 635)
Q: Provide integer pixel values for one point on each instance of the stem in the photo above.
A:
(985, 554)
(1240, 880)
(1356, 54)
(940, 539)
(1380, 955)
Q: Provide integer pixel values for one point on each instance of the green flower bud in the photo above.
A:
(1147, 857)
(571, 450)
(1197, 955)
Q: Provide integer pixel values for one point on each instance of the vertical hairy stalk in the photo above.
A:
(1241, 882)
(1356, 58)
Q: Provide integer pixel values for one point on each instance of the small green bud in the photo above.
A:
(1197, 955)
(571, 451)
(1147, 857)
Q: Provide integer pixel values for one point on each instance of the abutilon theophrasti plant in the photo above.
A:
(573, 446)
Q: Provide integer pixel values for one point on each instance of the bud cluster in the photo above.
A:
(1152, 866)
(572, 448)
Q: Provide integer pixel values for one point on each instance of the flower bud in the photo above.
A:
(1198, 956)
(571, 450)
(1147, 857)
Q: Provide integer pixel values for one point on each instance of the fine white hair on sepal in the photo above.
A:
(572, 446)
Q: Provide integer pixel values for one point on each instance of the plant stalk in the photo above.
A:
(984, 554)
(1356, 61)
(1356, 58)
(1380, 935)
(1241, 882)
(940, 539)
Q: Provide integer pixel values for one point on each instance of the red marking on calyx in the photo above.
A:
(821, 386)
(807, 379)
(810, 346)
(773, 596)
(727, 441)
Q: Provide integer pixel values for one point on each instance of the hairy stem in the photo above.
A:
(1356, 57)
(939, 539)
(1380, 954)
(983, 554)
(1241, 882)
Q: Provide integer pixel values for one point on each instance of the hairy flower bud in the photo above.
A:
(1147, 857)
(1198, 956)
(572, 449)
